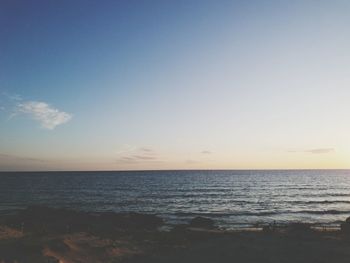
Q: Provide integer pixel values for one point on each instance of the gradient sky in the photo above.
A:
(114, 85)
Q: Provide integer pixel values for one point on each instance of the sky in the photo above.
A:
(133, 85)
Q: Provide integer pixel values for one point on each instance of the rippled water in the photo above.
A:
(232, 198)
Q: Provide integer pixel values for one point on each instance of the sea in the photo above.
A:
(232, 198)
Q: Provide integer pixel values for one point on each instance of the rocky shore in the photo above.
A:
(42, 234)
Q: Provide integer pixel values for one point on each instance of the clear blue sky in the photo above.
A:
(174, 84)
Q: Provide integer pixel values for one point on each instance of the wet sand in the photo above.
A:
(50, 235)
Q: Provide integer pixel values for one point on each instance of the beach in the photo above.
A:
(175, 216)
(42, 234)
(193, 131)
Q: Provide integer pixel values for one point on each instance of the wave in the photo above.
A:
(324, 212)
(234, 195)
(319, 202)
(293, 202)
(264, 213)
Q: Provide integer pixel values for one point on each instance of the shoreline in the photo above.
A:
(42, 234)
(169, 223)
(176, 170)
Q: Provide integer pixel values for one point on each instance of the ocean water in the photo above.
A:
(232, 198)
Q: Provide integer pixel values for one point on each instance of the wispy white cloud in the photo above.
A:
(11, 97)
(7, 101)
(42, 112)
(314, 151)
(144, 157)
(135, 156)
(206, 152)
(147, 150)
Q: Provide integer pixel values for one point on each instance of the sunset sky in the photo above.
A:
(119, 85)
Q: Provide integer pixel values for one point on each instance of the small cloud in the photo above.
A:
(42, 112)
(125, 149)
(141, 155)
(314, 151)
(320, 150)
(144, 157)
(126, 158)
(9, 162)
(206, 152)
(144, 149)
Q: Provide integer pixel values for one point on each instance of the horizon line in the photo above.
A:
(169, 170)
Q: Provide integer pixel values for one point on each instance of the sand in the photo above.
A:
(49, 235)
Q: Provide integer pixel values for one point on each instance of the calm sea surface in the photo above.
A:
(231, 198)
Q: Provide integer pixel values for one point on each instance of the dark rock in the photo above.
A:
(267, 229)
(180, 228)
(131, 220)
(345, 226)
(299, 228)
(202, 222)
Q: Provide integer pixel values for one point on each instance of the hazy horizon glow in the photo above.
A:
(124, 85)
